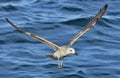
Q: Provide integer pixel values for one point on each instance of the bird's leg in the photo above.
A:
(59, 63)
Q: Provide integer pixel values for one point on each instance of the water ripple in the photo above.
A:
(58, 21)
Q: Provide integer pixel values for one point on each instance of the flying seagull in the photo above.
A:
(62, 51)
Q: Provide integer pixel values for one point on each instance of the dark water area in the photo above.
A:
(59, 21)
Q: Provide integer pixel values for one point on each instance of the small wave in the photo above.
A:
(77, 21)
(71, 9)
(9, 8)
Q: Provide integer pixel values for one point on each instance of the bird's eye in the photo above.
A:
(70, 50)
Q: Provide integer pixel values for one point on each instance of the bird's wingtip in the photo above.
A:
(106, 5)
(6, 19)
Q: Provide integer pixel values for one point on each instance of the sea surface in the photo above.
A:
(59, 21)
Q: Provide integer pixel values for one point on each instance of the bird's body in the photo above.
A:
(62, 51)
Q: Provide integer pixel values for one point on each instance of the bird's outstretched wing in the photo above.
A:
(54, 46)
(92, 23)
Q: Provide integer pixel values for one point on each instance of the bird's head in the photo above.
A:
(72, 51)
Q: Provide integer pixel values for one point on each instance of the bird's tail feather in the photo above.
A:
(51, 56)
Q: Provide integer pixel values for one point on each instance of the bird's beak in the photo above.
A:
(76, 53)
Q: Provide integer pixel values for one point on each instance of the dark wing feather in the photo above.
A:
(54, 46)
(92, 23)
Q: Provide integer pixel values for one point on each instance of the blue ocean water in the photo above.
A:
(59, 21)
